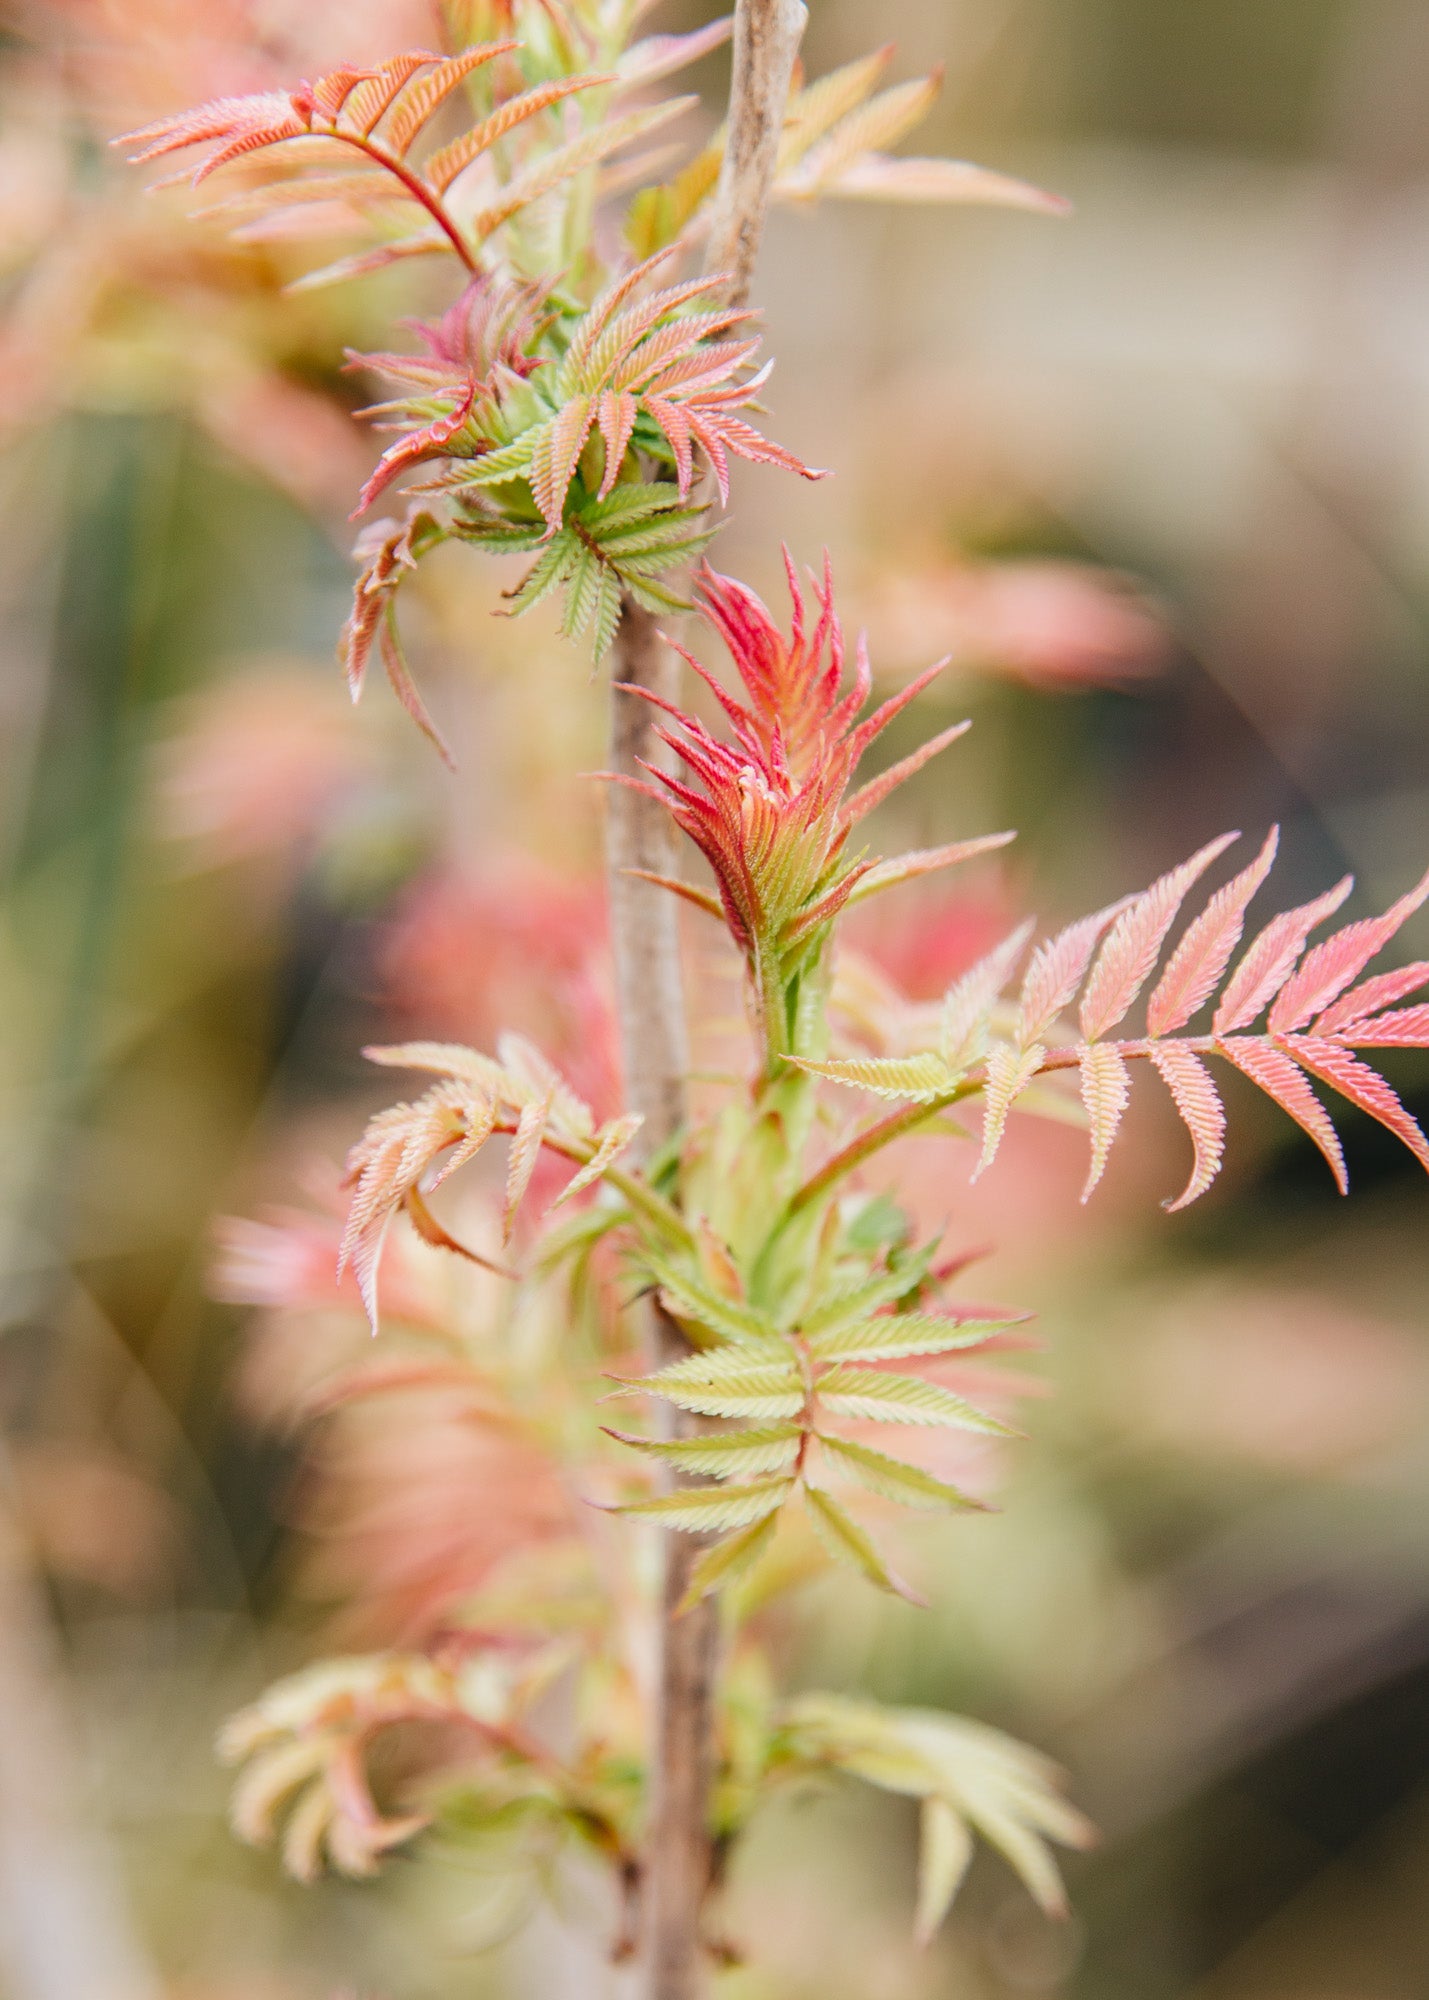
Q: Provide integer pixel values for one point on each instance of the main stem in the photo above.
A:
(650, 1000)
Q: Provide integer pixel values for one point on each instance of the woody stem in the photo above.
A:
(678, 1860)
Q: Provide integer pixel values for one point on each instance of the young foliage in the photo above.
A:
(968, 1778)
(772, 814)
(1318, 1016)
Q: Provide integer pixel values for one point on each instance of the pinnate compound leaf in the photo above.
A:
(728, 1561)
(920, 1078)
(842, 1536)
(1195, 967)
(1335, 964)
(1365, 1087)
(701, 1510)
(1268, 960)
(1134, 942)
(1272, 1071)
(893, 1478)
(1105, 1092)
(1196, 1098)
(902, 1399)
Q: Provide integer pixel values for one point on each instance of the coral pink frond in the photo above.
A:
(1058, 968)
(1363, 1086)
(1404, 1028)
(1135, 942)
(1105, 1093)
(1269, 959)
(1195, 967)
(1333, 965)
(1361, 1001)
(1198, 1101)
(1272, 1071)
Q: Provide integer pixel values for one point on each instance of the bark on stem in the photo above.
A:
(645, 938)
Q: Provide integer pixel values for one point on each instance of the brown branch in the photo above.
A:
(767, 34)
(641, 842)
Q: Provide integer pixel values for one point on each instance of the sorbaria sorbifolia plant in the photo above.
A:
(578, 404)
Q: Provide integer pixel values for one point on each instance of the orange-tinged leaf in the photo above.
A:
(1363, 1086)
(1135, 940)
(1331, 966)
(422, 97)
(372, 97)
(1198, 1101)
(1105, 1091)
(820, 105)
(1195, 967)
(443, 167)
(880, 122)
(1272, 1071)
(1268, 959)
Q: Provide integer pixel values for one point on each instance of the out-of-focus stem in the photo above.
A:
(677, 1863)
(64, 1931)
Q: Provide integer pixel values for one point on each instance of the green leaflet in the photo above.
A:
(893, 1478)
(728, 1560)
(689, 1298)
(902, 1399)
(893, 1335)
(604, 547)
(698, 1509)
(736, 1454)
(845, 1540)
(861, 1301)
(727, 1383)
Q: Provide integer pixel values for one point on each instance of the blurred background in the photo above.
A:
(1158, 477)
